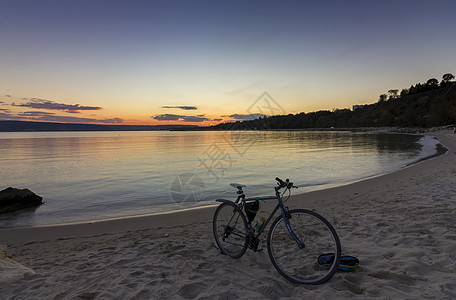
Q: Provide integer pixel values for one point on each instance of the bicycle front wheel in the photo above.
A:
(318, 237)
(230, 229)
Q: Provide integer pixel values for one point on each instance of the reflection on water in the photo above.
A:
(95, 175)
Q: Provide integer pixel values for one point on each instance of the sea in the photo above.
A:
(93, 175)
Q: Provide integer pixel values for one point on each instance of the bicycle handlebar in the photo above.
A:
(281, 184)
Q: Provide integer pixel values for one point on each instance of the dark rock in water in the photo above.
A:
(12, 199)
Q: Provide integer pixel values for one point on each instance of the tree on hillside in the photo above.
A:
(432, 83)
(447, 77)
(382, 97)
(446, 80)
(393, 93)
(404, 92)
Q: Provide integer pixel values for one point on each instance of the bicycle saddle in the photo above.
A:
(237, 185)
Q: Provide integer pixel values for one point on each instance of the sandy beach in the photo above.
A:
(401, 226)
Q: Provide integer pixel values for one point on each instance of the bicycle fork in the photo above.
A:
(286, 216)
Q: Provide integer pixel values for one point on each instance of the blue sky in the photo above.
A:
(139, 61)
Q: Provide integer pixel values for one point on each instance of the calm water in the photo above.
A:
(85, 176)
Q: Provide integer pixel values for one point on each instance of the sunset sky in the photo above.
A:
(203, 62)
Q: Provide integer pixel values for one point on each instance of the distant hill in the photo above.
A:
(422, 105)
(14, 126)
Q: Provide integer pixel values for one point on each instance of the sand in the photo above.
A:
(401, 226)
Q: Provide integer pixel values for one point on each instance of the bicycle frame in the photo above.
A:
(282, 210)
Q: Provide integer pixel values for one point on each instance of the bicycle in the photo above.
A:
(295, 239)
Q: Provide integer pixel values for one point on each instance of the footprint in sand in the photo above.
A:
(343, 285)
(399, 278)
(192, 290)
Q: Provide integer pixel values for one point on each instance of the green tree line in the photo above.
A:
(428, 104)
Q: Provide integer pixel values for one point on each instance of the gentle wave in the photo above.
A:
(86, 176)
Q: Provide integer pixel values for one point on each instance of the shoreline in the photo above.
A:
(158, 219)
(309, 188)
(400, 226)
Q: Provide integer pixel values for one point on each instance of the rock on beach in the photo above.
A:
(12, 199)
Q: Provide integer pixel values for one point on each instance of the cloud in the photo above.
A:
(2, 102)
(194, 119)
(241, 117)
(47, 104)
(112, 121)
(65, 119)
(8, 96)
(173, 117)
(5, 110)
(51, 117)
(167, 117)
(35, 114)
(5, 115)
(181, 107)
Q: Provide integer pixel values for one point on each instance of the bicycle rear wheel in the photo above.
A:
(300, 265)
(230, 229)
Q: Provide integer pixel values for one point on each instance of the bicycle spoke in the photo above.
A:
(240, 245)
(300, 265)
(238, 233)
(230, 230)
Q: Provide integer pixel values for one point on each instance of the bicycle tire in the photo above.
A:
(300, 265)
(230, 230)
